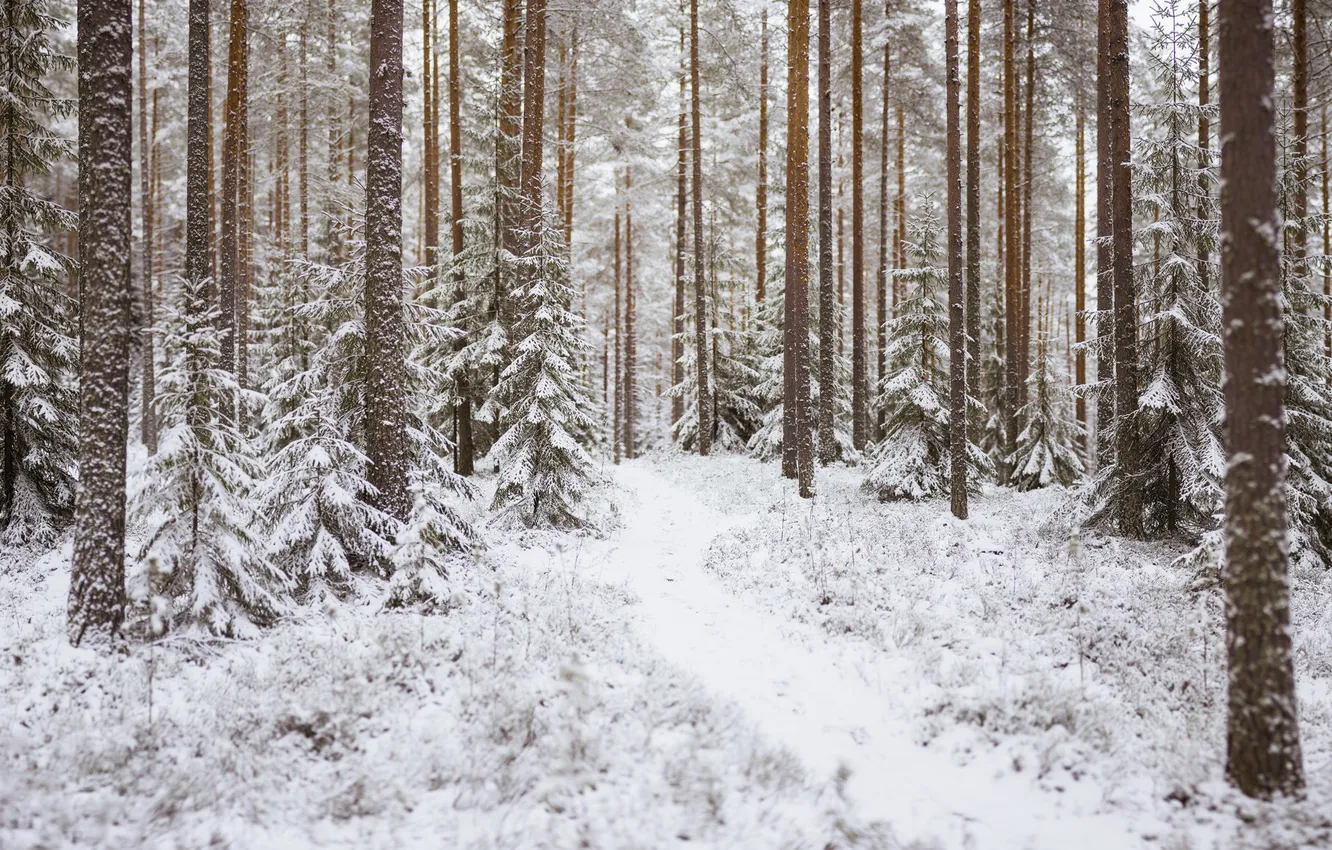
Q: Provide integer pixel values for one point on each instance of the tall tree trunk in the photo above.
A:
(1080, 267)
(827, 295)
(198, 227)
(244, 209)
(148, 413)
(957, 332)
(1126, 308)
(630, 348)
(229, 260)
(97, 582)
(761, 195)
(570, 143)
(1012, 249)
(386, 372)
(1204, 140)
(901, 237)
(1300, 136)
(303, 151)
(334, 137)
(881, 281)
(681, 224)
(1262, 739)
(430, 177)
(534, 114)
(1028, 185)
(508, 153)
(282, 156)
(617, 414)
(859, 344)
(797, 397)
(464, 459)
(700, 296)
(973, 206)
(1327, 244)
(1105, 284)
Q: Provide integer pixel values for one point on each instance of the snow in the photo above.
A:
(729, 667)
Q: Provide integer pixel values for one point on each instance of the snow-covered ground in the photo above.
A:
(730, 667)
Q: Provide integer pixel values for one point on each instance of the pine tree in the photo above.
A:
(38, 351)
(1171, 468)
(201, 554)
(544, 471)
(912, 460)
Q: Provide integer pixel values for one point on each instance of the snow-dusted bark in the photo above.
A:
(957, 331)
(1262, 740)
(97, 586)
(704, 394)
(386, 386)
(829, 315)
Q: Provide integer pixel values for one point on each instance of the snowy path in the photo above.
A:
(801, 693)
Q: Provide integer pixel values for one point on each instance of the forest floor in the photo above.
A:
(726, 666)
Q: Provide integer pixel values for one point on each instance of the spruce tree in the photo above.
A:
(38, 349)
(1046, 448)
(201, 552)
(1173, 466)
(912, 460)
(544, 470)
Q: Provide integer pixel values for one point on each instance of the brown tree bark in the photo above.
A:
(761, 195)
(571, 145)
(1204, 140)
(881, 280)
(700, 295)
(430, 147)
(386, 373)
(1028, 184)
(1263, 755)
(508, 146)
(1300, 136)
(630, 347)
(859, 343)
(534, 113)
(1105, 284)
(229, 259)
(1012, 249)
(797, 398)
(244, 210)
(681, 224)
(1126, 308)
(464, 458)
(973, 305)
(957, 332)
(198, 201)
(1080, 267)
(1327, 244)
(617, 414)
(828, 297)
(96, 606)
(148, 411)
(303, 139)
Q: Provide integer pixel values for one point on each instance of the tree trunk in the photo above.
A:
(957, 333)
(508, 153)
(1126, 308)
(97, 582)
(700, 296)
(630, 352)
(827, 295)
(681, 224)
(1105, 284)
(229, 259)
(881, 281)
(148, 413)
(465, 455)
(1012, 250)
(973, 298)
(570, 143)
(1300, 136)
(1204, 134)
(534, 112)
(1262, 738)
(761, 195)
(797, 246)
(244, 210)
(859, 353)
(303, 151)
(1026, 193)
(198, 227)
(617, 415)
(1080, 267)
(1327, 244)
(386, 372)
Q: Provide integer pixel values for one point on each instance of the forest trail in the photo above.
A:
(798, 690)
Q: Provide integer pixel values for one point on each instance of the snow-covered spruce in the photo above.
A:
(911, 462)
(200, 555)
(544, 471)
(38, 349)
(1177, 464)
(1045, 452)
